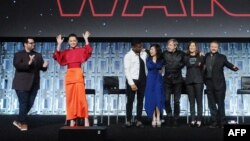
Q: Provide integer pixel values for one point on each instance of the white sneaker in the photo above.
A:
(17, 124)
(24, 127)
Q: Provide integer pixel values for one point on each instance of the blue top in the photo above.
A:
(154, 93)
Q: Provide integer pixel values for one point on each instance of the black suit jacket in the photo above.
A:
(27, 75)
(174, 62)
(218, 78)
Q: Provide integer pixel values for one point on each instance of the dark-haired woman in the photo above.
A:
(194, 62)
(154, 96)
(76, 103)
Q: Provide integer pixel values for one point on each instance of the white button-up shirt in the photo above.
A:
(132, 65)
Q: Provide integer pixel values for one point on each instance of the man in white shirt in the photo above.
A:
(135, 72)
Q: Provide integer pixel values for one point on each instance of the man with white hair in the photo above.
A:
(174, 60)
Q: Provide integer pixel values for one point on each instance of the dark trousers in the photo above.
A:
(176, 90)
(130, 99)
(195, 91)
(216, 102)
(26, 100)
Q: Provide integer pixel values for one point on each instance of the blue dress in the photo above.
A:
(154, 94)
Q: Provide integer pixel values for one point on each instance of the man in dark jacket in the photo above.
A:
(26, 83)
(216, 84)
(174, 62)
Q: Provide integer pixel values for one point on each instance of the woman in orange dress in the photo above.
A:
(76, 103)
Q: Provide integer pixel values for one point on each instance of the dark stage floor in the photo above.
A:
(46, 128)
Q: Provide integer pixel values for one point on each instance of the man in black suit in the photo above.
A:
(216, 84)
(174, 62)
(26, 83)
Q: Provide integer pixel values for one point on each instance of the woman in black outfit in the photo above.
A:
(194, 81)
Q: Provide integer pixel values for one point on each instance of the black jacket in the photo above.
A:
(195, 69)
(174, 62)
(218, 78)
(27, 75)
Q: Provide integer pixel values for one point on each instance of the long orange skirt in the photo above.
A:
(76, 103)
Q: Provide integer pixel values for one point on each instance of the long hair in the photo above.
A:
(197, 52)
(158, 51)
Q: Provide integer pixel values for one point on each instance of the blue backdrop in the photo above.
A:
(107, 60)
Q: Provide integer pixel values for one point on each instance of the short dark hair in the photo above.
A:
(216, 42)
(135, 42)
(26, 40)
(197, 47)
(72, 35)
(158, 50)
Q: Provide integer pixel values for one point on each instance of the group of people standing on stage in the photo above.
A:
(156, 75)
(150, 73)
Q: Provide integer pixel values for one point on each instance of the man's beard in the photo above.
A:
(137, 51)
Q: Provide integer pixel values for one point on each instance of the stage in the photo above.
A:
(46, 128)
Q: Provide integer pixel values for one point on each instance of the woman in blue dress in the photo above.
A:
(154, 95)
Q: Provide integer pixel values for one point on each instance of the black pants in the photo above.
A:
(141, 84)
(216, 102)
(176, 90)
(195, 91)
(26, 100)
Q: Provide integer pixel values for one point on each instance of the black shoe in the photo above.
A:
(169, 121)
(163, 121)
(127, 124)
(222, 124)
(213, 125)
(192, 124)
(198, 124)
(139, 124)
(176, 123)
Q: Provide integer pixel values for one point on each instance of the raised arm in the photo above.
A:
(57, 54)
(86, 37)
(87, 49)
(59, 40)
